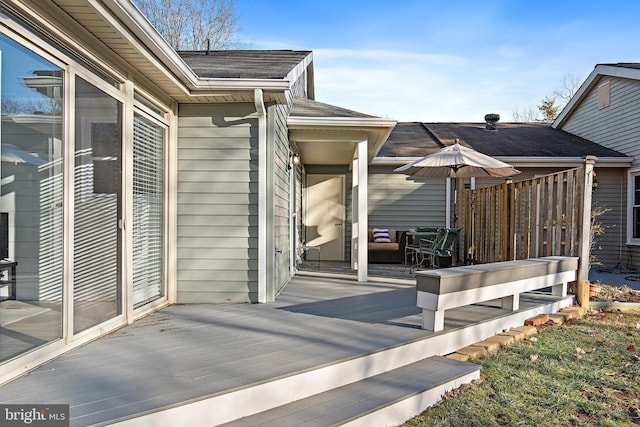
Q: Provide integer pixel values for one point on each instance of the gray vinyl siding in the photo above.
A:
(398, 202)
(281, 211)
(611, 194)
(217, 212)
(618, 127)
(299, 87)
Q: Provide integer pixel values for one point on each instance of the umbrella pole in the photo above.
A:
(448, 203)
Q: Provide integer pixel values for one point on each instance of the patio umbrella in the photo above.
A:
(457, 161)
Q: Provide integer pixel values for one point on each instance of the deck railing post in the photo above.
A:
(584, 252)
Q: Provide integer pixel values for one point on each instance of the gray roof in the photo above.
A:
(510, 140)
(244, 64)
(634, 65)
(303, 107)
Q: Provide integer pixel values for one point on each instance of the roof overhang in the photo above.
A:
(121, 37)
(334, 140)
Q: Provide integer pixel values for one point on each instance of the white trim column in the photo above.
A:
(262, 195)
(360, 212)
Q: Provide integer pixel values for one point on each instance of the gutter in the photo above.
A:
(262, 195)
(343, 122)
(525, 161)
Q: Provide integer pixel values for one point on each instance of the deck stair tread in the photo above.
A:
(377, 393)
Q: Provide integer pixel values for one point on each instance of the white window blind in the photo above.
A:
(148, 173)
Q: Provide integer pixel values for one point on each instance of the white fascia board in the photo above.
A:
(203, 84)
(299, 69)
(164, 56)
(377, 141)
(585, 88)
(394, 161)
(339, 122)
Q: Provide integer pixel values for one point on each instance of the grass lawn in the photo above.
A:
(584, 373)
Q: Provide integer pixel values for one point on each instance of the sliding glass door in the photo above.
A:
(97, 273)
(31, 200)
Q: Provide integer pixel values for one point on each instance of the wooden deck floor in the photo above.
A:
(187, 352)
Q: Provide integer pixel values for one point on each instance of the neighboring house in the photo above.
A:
(134, 177)
(606, 110)
(533, 148)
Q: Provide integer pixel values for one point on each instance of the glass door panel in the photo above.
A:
(97, 287)
(31, 208)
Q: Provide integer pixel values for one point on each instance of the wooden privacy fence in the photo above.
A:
(534, 218)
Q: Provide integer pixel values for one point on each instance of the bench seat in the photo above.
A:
(439, 290)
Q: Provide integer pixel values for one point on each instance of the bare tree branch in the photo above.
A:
(187, 25)
(569, 86)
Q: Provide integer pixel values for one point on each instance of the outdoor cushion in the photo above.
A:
(384, 246)
(381, 235)
(392, 234)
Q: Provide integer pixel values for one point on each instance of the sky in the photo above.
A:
(444, 61)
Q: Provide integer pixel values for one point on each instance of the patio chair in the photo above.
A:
(430, 247)
(447, 250)
(412, 255)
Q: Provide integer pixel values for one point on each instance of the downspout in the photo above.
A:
(262, 195)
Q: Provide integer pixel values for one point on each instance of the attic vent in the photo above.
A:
(604, 95)
(491, 120)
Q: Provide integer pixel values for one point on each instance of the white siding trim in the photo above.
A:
(362, 175)
(630, 199)
(262, 196)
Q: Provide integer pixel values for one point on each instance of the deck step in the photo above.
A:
(386, 399)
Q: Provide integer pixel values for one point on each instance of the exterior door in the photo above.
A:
(97, 275)
(324, 225)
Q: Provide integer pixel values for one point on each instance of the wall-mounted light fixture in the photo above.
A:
(294, 159)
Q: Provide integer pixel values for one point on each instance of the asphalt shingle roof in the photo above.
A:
(303, 107)
(510, 140)
(634, 65)
(243, 64)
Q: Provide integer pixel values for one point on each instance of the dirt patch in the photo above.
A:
(616, 293)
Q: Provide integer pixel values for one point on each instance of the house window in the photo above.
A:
(636, 207)
(604, 95)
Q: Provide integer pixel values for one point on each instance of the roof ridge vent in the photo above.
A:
(491, 121)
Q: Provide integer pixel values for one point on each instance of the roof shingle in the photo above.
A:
(510, 140)
(244, 64)
(303, 107)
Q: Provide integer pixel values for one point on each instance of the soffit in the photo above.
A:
(326, 134)
(118, 36)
